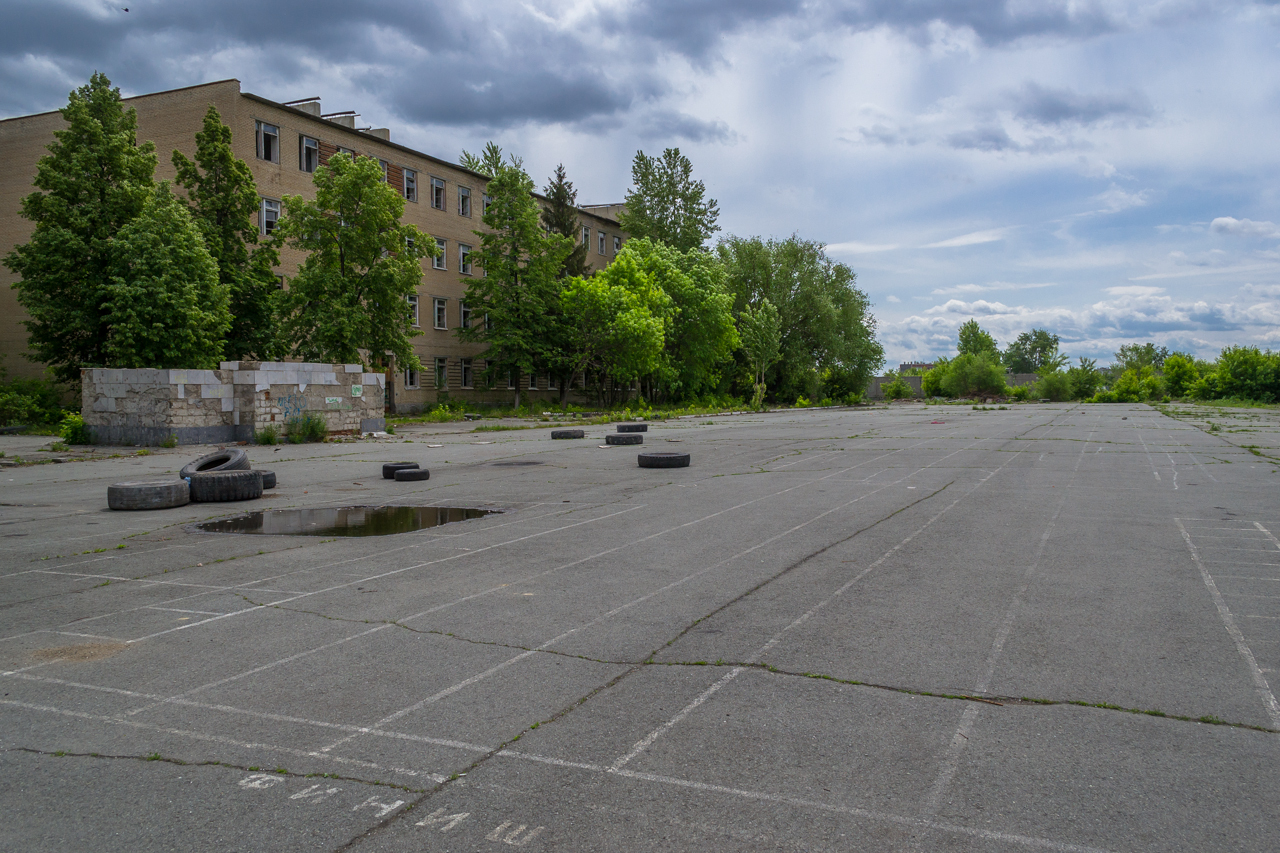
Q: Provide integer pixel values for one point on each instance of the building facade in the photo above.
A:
(284, 143)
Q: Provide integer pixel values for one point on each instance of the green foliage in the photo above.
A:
(33, 402)
(1248, 373)
(72, 429)
(561, 217)
(519, 293)
(825, 319)
(666, 205)
(931, 380)
(1180, 374)
(223, 199)
(968, 375)
(347, 302)
(170, 440)
(490, 161)
(1054, 386)
(1023, 393)
(1031, 352)
(306, 428)
(615, 323)
(269, 434)
(1085, 379)
(1137, 356)
(1135, 385)
(760, 329)
(897, 390)
(841, 384)
(975, 341)
(94, 180)
(163, 302)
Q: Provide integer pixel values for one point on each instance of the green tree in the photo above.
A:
(561, 217)
(1137, 356)
(970, 374)
(761, 331)
(348, 300)
(825, 319)
(975, 341)
(164, 304)
(1031, 352)
(1085, 379)
(700, 335)
(615, 335)
(519, 293)
(1180, 374)
(223, 198)
(490, 161)
(666, 205)
(94, 180)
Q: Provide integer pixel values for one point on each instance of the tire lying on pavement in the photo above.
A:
(411, 475)
(230, 459)
(663, 459)
(268, 480)
(633, 427)
(226, 486)
(389, 469)
(153, 494)
(567, 433)
(624, 438)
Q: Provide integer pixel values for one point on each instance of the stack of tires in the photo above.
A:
(222, 476)
(627, 434)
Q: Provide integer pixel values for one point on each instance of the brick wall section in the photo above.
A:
(149, 406)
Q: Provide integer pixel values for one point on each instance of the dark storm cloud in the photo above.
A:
(1041, 105)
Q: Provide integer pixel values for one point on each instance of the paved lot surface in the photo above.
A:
(896, 629)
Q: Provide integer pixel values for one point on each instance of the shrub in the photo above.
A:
(1023, 393)
(1180, 375)
(29, 401)
(897, 390)
(269, 434)
(1054, 386)
(969, 375)
(931, 380)
(72, 429)
(170, 440)
(306, 428)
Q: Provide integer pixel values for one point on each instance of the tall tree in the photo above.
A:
(560, 216)
(1138, 356)
(517, 295)
(223, 198)
(974, 340)
(761, 331)
(164, 304)
(93, 181)
(825, 319)
(489, 162)
(348, 302)
(666, 204)
(1032, 352)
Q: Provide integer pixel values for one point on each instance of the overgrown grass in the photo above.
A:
(269, 434)
(306, 428)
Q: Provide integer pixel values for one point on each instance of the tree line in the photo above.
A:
(125, 271)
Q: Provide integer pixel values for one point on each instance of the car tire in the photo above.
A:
(567, 433)
(624, 438)
(633, 427)
(389, 469)
(217, 486)
(664, 459)
(153, 494)
(230, 459)
(412, 475)
(268, 480)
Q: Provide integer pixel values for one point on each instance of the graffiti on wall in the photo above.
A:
(292, 405)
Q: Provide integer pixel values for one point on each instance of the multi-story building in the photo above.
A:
(283, 145)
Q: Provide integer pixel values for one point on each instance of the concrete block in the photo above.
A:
(352, 368)
(228, 404)
(247, 377)
(217, 391)
(229, 365)
(104, 404)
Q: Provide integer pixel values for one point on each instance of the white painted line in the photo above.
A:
(1224, 612)
(1267, 533)
(950, 761)
(649, 739)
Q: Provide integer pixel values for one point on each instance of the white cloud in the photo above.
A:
(1244, 227)
(855, 248)
(1134, 290)
(894, 299)
(1203, 271)
(986, 288)
(972, 239)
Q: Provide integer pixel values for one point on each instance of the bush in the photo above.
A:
(1023, 393)
(1180, 375)
(72, 429)
(897, 390)
(269, 434)
(971, 375)
(306, 428)
(29, 401)
(931, 380)
(1054, 386)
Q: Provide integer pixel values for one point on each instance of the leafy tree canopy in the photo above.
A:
(561, 217)
(223, 198)
(825, 319)
(666, 205)
(94, 180)
(975, 341)
(490, 161)
(1138, 356)
(1032, 352)
(348, 299)
(761, 332)
(164, 305)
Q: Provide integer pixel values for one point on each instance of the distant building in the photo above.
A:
(914, 365)
(283, 145)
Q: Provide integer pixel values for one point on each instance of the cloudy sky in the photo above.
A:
(1106, 170)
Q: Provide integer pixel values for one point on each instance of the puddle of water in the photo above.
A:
(516, 464)
(343, 521)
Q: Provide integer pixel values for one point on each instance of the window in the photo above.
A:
(440, 313)
(464, 201)
(268, 216)
(617, 245)
(552, 383)
(438, 262)
(586, 236)
(464, 315)
(411, 379)
(385, 167)
(268, 142)
(308, 153)
(464, 259)
(488, 323)
(413, 310)
(466, 373)
(442, 372)
(600, 243)
(410, 185)
(347, 151)
(511, 379)
(488, 200)
(437, 193)
(533, 382)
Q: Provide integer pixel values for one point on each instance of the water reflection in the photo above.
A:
(343, 521)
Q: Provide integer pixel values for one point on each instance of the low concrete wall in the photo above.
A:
(149, 406)
(874, 393)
